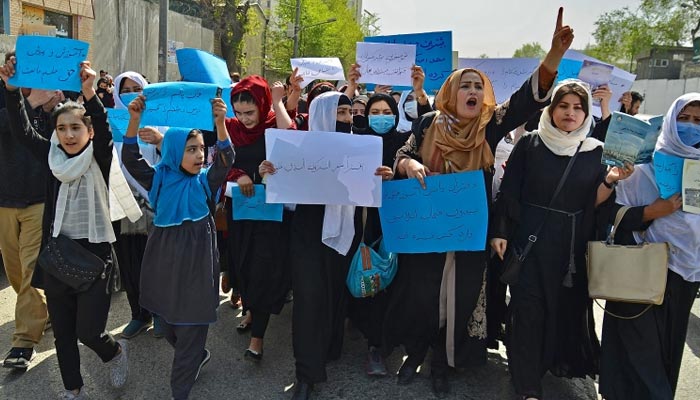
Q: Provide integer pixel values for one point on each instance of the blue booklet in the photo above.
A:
(631, 139)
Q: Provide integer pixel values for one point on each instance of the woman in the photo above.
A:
(132, 237)
(260, 269)
(320, 266)
(641, 357)
(550, 323)
(368, 313)
(461, 136)
(413, 104)
(84, 173)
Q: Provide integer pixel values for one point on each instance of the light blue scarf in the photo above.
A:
(175, 195)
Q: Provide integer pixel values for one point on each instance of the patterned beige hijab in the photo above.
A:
(454, 145)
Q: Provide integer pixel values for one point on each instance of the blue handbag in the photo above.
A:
(371, 271)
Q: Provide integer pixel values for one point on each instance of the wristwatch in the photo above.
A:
(609, 185)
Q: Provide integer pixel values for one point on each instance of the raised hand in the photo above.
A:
(277, 92)
(87, 77)
(7, 71)
(219, 109)
(563, 35)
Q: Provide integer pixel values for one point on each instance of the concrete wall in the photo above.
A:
(126, 37)
(660, 93)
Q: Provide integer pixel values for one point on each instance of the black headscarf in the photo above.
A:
(392, 140)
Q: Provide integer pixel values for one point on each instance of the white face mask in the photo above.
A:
(411, 108)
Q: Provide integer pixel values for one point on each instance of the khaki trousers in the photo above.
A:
(20, 239)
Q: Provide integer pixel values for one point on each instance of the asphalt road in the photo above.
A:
(230, 376)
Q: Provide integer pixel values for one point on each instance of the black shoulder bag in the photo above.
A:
(514, 258)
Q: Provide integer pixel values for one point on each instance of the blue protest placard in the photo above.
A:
(451, 214)
(49, 63)
(569, 69)
(179, 104)
(433, 53)
(200, 66)
(255, 207)
(668, 170)
(507, 75)
(118, 120)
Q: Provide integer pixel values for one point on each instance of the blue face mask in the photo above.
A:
(382, 124)
(689, 133)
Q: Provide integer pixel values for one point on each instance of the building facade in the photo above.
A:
(663, 62)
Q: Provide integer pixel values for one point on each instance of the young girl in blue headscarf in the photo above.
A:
(180, 270)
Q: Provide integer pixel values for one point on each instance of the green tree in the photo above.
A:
(623, 34)
(530, 50)
(483, 55)
(316, 38)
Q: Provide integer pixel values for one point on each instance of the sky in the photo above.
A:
(492, 27)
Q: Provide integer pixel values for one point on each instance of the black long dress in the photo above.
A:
(259, 249)
(641, 358)
(412, 317)
(320, 294)
(549, 326)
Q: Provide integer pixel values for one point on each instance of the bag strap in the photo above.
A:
(618, 218)
(620, 316)
(533, 238)
(364, 223)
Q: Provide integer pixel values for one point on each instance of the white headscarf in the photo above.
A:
(680, 229)
(148, 152)
(134, 76)
(564, 143)
(404, 124)
(338, 221)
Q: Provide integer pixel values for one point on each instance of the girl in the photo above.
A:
(641, 357)
(84, 171)
(550, 322)
(260, 270)
(179, 277)
(461, 136)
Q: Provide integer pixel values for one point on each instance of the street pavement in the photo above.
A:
(229, 376)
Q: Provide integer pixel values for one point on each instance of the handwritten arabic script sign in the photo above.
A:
(323, 168)
(507, 75)
(449, 215)
(433, 53)
(318, 68)
(180, 104)
(49, 63)
(386, 64)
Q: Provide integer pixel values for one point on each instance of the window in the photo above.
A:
(63, 23)
(663, 63)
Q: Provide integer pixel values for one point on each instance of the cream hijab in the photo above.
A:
(564, 143)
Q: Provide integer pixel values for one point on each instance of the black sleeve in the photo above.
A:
(424, 109)
(137, 166)
(601, 129)
(102, 140)
(23, 129)
(216, 176)
(516, 110)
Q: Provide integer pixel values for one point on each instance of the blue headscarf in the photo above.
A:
(177, 196)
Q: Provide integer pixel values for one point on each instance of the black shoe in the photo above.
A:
(253, 355)
(441, 386)
(302, 391)
(18, 357)
(407, 372)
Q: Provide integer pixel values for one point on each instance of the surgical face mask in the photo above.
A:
(689, 133)
(344, 127)
(359, 121)
(411, 108)
(382, 124)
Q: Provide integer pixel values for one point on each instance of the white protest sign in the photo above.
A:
(318, 68)
(621, 81)
(323, 168)
(507, 75)
(386, 64)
